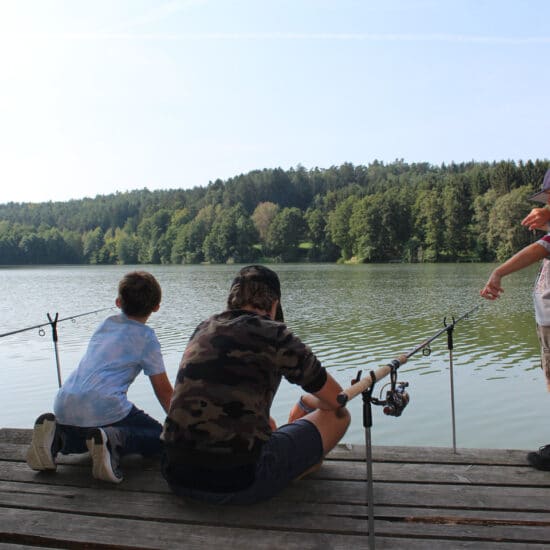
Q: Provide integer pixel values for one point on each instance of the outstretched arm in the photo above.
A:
(163, 389)
(525, 257)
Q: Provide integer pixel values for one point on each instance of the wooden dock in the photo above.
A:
(424, 498)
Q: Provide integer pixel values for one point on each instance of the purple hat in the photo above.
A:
(544, 193)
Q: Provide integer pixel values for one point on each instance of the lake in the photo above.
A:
(355, 317)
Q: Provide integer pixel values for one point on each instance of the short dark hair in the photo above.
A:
(256, 286)
(139, 293)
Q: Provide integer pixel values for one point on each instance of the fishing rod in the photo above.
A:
(396, 400)
(359, 386)
(53, 321)
(50, 321)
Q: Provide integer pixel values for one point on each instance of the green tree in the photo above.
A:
(263, 216)
(456, 203)
(322, 249)
(285, 234)
(339, 226)
(149, 232)
(482, 208)
(505, 234)
(374, 228)
(127, 247)
(92, 243)
(189, 239)
(428, 223)
(231, 238)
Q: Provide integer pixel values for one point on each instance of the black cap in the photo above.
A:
(263, 275)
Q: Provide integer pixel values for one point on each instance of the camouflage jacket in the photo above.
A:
(226, 382)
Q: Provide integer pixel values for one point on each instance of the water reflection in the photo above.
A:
(353, 317)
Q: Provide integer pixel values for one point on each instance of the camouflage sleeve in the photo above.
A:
(299, 365)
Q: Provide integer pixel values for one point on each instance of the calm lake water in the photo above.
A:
(354, 317)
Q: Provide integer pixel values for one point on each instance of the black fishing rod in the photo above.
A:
(56, 320)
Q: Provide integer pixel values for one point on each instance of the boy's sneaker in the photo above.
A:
(540, 459)
(44, 445)
(104, 456)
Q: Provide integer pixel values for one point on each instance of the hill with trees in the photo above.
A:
(377, 213)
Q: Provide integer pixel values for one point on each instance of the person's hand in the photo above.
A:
(295, 413)
(492, 290)
(538, 218)
(300, 409)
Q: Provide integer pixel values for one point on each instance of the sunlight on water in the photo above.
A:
(353, 317)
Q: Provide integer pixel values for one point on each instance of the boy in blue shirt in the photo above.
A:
(92, 410)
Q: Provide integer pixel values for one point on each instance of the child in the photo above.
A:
(91, 408)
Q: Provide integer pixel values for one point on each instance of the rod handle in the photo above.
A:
(362, 385)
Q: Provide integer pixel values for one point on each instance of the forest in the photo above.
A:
(394, 212)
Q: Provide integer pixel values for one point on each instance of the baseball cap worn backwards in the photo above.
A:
(263, 275)
(544, 193)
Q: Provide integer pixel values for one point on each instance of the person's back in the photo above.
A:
(95, 393)
(91, 409)
(220, 443)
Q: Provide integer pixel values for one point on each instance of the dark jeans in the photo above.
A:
(139, 433)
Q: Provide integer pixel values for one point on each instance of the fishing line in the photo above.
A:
(53, 321)
(49, 322)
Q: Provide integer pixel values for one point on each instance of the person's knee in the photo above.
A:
(332, 426)
(344, 419)
(344, 414)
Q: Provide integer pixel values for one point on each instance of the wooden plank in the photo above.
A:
(430, 497)
(58, 529)
(442, 455)
(424, 494)
(353, 470)
(124, 531)
(530, 498)
(15, 435)
(343, 451)
(470, 474)
(274, 514)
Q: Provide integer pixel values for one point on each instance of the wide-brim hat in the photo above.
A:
(544, 194)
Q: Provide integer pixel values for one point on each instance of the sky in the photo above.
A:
(105, 96)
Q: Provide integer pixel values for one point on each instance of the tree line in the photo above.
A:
(377, 213)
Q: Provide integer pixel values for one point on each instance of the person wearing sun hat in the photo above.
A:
(221, 444)
(540, 250)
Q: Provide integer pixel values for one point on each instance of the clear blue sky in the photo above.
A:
(109, 95)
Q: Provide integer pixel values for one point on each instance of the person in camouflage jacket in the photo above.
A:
(221, 444)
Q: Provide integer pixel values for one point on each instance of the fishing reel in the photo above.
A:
(397, 398)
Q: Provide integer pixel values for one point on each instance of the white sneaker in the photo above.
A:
(44, 445)
(105, 460)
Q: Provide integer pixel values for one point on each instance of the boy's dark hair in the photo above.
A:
(256, 286)
(139, 293)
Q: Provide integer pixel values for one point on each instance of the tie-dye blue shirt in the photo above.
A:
(95, 393)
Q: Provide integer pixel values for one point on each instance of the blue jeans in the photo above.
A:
(289, 452)
(139, 433)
